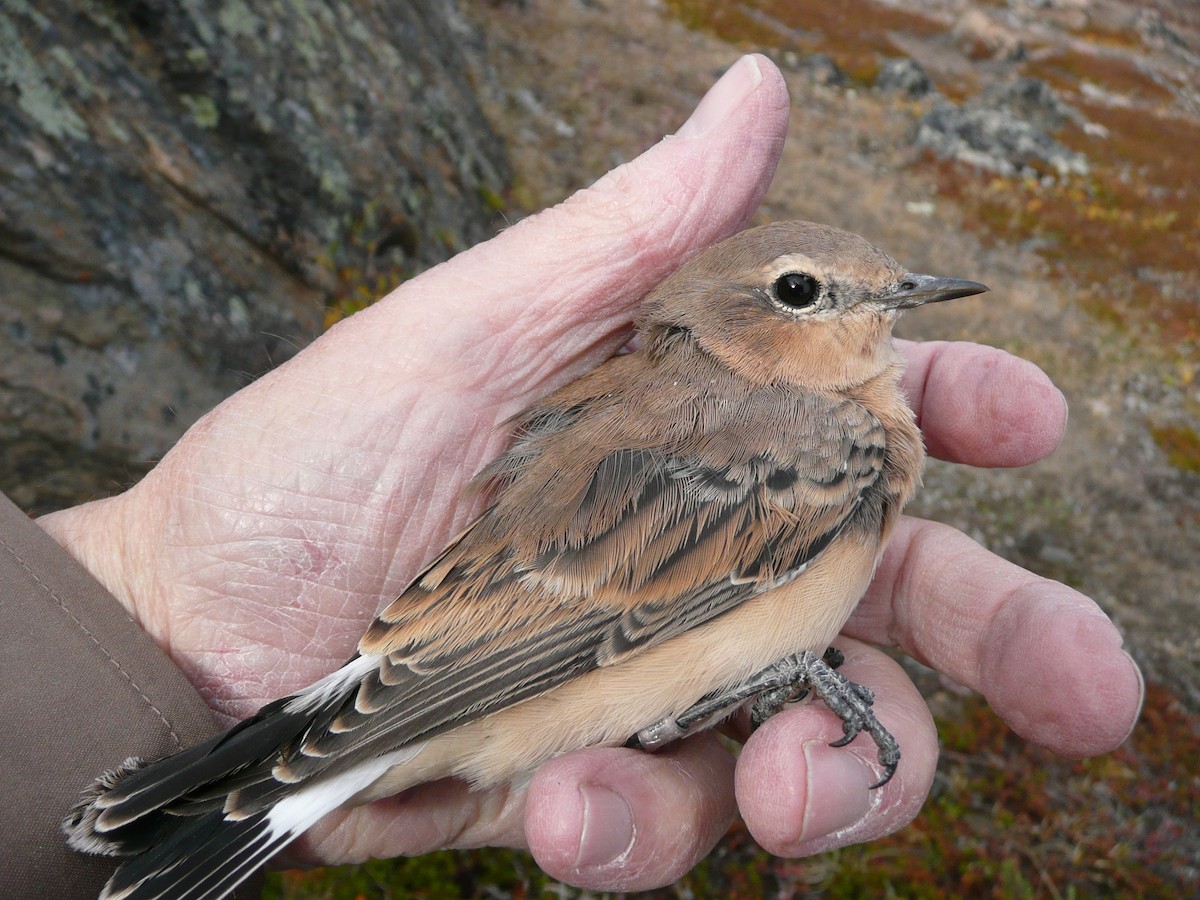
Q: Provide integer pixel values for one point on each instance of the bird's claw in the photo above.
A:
(788, 680)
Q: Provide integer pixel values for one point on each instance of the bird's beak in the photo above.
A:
(917, 290)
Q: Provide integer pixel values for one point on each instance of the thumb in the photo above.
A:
(560, 284)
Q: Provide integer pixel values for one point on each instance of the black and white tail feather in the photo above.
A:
(177, 822)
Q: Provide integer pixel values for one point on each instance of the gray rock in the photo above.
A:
(1031, 100)
(903, 76)
(1150, 25)
(822, 69)
(1005, 129)
(183, 187)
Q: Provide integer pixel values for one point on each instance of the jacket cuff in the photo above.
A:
(83, 687)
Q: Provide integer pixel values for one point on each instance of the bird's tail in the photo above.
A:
(206, 857)
(176, 819)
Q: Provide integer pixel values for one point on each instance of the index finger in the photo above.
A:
(980, 405)
(1046, 658)
(552, 296)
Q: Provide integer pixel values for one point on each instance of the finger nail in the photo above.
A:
(1137, 670)
(723, 98)
(607, 833)
(839, 792)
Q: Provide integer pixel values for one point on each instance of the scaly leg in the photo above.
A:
(786, 681)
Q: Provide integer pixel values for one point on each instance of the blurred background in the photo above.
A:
(189, 193)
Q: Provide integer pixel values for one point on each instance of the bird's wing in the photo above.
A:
(576, 565)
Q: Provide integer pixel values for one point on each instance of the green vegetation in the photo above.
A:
(360, 261)
(1182, 446)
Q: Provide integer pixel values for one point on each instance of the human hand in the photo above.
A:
(259, 549)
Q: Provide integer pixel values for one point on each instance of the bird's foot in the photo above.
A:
(786, 681)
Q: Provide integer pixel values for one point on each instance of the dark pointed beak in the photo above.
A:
(917, 290)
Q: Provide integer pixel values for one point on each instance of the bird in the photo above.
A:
(674, 535)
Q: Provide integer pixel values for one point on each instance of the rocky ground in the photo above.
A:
(187, 189)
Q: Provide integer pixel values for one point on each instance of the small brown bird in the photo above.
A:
(671, 536)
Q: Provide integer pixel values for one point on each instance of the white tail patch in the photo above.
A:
(336, 684)
(299, 811)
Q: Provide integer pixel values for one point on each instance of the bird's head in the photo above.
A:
(794, 301)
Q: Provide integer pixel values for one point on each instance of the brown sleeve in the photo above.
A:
(82, 688)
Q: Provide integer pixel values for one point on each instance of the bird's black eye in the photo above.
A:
(796, 290)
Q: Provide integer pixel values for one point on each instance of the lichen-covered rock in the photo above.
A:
(1006, 129)
(903, 76)
(183, 187)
